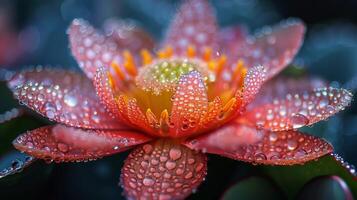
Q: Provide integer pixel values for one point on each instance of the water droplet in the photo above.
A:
(148, 181)
(70, 100)
(175, 154)
(292, 144)
(147, 148)
(170, 165)
(62, 147)
(299, 120)
(273, 136)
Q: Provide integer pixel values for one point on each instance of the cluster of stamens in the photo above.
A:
(158, 78)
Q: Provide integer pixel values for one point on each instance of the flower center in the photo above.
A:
(163, 75)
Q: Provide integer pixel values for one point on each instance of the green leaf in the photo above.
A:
(292, 178)
(253, 188)
(327, 188)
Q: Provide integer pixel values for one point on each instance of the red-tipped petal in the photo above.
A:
(189, 104)
(195, 25)
(64, 144)
(251, 145)
(90, 48)
(162, 170)
(298, 110)
(274, 48)
(281, 86)
(62, 96)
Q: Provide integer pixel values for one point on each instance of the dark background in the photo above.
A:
(38, 28)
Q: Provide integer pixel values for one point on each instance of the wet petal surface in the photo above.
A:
(298, 110)
(262, 147)
(163, 170)
(273, 47)
(62, 96)
(63, 144)
(194, 25)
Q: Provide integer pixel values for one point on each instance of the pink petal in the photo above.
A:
(253, 81)
(274, 48)
(162, 170)
(298, 110)
(90, 48)
(195, 24)
(248, 144)
(105, 91)
(128, 35)
(189, 104)
(279, 87)
(64, 144)
(62, 96)
(232, 38)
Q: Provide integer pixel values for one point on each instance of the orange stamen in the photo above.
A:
(229, 105)
(151, 117)
(167, 52)
(117, 70)
(191, 51)
(129, 63)
(220, 64)
(239, 72)
(207, 54)
(146, 56)
(111, 81)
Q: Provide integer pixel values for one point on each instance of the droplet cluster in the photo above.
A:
(190, 103)
(262, 147)
(63, 144)
(17, 165)
(349, 167)
(62, 96)
(194, 25)
(298, 110)
(162, 170)
(165, 74)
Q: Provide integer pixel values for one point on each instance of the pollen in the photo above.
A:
(164, 75)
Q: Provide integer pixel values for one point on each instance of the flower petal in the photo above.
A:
(90, 48)
(298, 110)
(105, 91)
(195, 25)
(129, 35)
(231, 38)
(162, 170)
(62, 96)
(64, 144)
(190, 104)
(251, 145)
(255, 78)
(281, 86)
(274, 48)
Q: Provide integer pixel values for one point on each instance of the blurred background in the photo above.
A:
(33, 32)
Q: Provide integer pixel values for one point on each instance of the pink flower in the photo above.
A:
(201, 93)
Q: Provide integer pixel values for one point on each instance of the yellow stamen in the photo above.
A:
(229, 105)
(207, 54)
(117, 70)
(191, 51)
(129, 63)
(146, 56)
(211, 65)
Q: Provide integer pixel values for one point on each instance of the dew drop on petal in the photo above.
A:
(299, 120)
